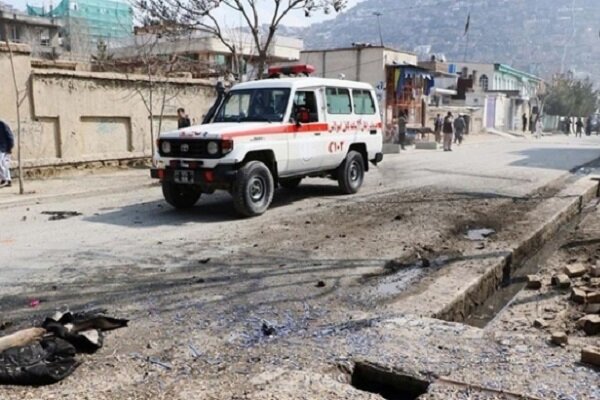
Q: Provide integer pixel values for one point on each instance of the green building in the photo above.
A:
(87, 22)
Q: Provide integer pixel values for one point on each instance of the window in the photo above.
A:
(484, 83)
(254, 105)
(363, 102)
(338, 101)
(308, 101)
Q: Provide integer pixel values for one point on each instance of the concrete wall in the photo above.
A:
(72, 117)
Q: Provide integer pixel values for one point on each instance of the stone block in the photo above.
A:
(594, 271)
(590, 324)
(559, 338)
(591, 355)
(575, 270)
(534, 282)
(578, 296)
(593, 297)
(592, 309)
(540, 323)
(561, 281)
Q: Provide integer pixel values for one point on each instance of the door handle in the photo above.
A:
(318, 134)
(373, 132)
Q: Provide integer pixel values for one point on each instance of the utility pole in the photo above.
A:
(378, 15)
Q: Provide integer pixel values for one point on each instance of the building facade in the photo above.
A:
(505, 92)
(88, 22)
(40, 33)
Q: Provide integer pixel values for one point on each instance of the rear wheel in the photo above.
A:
(180, 196)
(351, 173)
(290, 183)
(253, 189)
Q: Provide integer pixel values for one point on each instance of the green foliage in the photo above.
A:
(568, 97)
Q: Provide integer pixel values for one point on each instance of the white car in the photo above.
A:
(270, 133)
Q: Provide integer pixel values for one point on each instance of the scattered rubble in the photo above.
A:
(591, 355)
(575, 271)
(59, 215)
(534, 282)
(561, 281)
(559, 338)
(590, 324)
(479, 234)
(578, 295)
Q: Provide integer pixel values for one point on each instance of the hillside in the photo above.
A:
(538, 36)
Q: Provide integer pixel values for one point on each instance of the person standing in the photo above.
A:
(579, 127)
(183, 121)
(402, 121)
(448, 131)
(524, 118)
(538, 127)
(7, 142)
(459, 129)
(437, 128)
(568, 126)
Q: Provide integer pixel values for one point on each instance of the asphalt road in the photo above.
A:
(123, 216)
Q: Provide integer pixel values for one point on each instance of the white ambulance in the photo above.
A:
(270, 133)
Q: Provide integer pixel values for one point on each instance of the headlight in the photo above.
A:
(165, 147)
(212, 148)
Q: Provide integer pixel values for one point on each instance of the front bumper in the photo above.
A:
(221, 175)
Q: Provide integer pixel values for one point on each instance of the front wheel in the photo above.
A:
(351, 173)
(180, 196)
(253, 189)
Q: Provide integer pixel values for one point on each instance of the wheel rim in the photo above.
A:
(256, 189)
(354, 172)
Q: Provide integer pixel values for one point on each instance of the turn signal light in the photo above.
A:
(227, 146)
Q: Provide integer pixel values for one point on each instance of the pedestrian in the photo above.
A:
(524, 118)
(7, 142)
(183, 121)
(568, 126)
(448, 131)
(402, 121)
(579, 127)
(437, 128)
(459, 129)
(538, 127)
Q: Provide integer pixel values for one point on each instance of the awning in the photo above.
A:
(415, 73)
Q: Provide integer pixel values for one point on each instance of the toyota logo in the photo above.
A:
(185, 148)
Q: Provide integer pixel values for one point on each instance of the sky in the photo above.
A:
(295, 19)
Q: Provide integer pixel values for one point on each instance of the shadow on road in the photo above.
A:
(210, 209)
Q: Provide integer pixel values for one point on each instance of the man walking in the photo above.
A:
(579, 127)
(448, 130)
(437, 128)
(7, 143)
(183, 120)
(524, 118)
(459, 129)
(402, 121)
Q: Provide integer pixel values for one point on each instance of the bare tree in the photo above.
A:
(201, 15)
(18, 107)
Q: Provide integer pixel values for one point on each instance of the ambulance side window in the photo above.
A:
(308, 101)
(363, 102)
(338, 101)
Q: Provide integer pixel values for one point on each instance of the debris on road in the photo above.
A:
(590, 324)
(540, 323)
(34, 303)
(575, 271)
(321, 284)
(268, 329)
(46, 355)
(476, 235)
(561, 281)
(591, 355)
(578, 295)
(559, 338)
(534, 282)
(59, 215)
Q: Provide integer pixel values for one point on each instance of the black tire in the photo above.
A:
(253, 189)
(290, 183)
(351, 173)
(180, 196)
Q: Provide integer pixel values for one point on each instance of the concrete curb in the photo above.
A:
(476, 292)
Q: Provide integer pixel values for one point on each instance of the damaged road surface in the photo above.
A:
(324, 297)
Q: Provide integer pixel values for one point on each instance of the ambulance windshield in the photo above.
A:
(254, 105)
